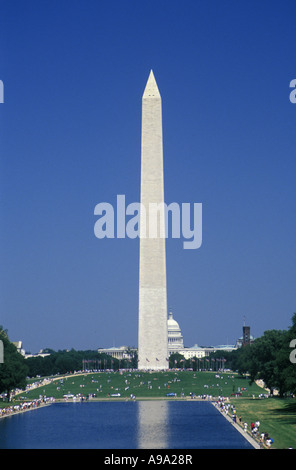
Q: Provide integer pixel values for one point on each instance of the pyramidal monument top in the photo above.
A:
(151, 89)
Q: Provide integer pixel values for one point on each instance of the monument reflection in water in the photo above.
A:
(153, 429)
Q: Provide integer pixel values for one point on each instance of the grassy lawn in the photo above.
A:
(277, 417)
(145, 384)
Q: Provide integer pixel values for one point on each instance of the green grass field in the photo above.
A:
(147, 385)
(277, 417)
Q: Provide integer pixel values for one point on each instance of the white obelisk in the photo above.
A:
(153, 336)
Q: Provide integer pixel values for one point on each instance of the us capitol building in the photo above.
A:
(175, 345)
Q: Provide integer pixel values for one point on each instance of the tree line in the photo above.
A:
(64, 361)
(269, 358)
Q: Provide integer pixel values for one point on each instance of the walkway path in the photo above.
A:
(239, 429)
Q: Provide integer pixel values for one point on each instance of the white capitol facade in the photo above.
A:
(175, 345)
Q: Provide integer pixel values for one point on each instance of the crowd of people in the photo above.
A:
(263, 437)
(229, 409)
(25, 406)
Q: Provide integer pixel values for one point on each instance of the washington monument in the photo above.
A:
(153, 336)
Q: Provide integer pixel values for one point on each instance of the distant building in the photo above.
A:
(221, 347)
(40, 354)
(246, 335)
(118, 353)
(175, 341)
(247, 338)
(176, 345)
(194, 351)
(19, 347)
(175, 338)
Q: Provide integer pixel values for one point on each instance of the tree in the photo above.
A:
(260, 360)
(176, 360)
(132, 353)
(13, 372)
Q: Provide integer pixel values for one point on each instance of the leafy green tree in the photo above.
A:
(260, 360)
(13, 372)
(133, 361)
(176, 360)
(267, 358)
(62, 362)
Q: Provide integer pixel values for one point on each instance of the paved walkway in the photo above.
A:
(240, 429)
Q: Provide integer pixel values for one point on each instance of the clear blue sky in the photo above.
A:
(74, 73)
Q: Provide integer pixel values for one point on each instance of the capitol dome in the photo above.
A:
(175, 338)
(173, 324)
